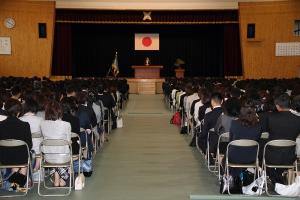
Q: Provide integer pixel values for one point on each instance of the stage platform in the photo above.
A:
(145, 86)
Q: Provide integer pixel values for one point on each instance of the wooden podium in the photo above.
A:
(152, 71)
(146, 80)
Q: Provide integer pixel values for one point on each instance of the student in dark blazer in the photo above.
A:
(69, 108)
(282, 125)
(13, 128)
(247, 126)
(210, 120)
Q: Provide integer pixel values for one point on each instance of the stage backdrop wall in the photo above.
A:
(88, 49)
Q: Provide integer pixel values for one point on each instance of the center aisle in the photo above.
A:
(147, 159)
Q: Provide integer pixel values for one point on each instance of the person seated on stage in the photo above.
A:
(13, 128)
(210, 120)
(282, 125)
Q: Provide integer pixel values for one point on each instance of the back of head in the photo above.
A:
(232, 107)
(30, 106)
(235, 92)
(13, 107)
(248, 116)
(282, 101)
(82, 97)
(16, 91)
(53, 111)
(68, 105)
(216, 98)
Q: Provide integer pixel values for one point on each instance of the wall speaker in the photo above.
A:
(251, 31)
(42, 30)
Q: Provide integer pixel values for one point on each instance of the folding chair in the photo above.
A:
(278, 144)
(107, 120)
(77, 156)
(11, 143)
(246, 144)
(210, 167)
(85, 146)
(53, 147)
(197, 139)
(223, 138)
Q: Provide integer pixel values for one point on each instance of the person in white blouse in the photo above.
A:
(30, 109)
(54, 128)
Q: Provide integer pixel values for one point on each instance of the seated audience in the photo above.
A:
(210, 120)
(247, 126)
(13, 128)
(54, 128)
(282, 125)
(30, 110)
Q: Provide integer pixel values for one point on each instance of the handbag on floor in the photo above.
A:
(289, 190)
(176, 119)
(255, 188)
(80, 182)
(119, 122)
(234, 183)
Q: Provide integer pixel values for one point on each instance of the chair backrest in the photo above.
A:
(10, 143)
(278, 144)
(281, 143)
(55, 150)
(243, 143)
(36, 135)
(246, 143)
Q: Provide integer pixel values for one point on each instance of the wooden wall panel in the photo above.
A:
(31, 56)
(274, 23)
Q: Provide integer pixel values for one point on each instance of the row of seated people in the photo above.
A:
(245, 109)
(55, 110)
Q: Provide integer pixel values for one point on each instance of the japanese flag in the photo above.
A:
(146, 41)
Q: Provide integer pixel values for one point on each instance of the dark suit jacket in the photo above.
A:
(75, 128)
(282, 125)
(239, 131)
(210, 120)
(201, 111)
(87, 117)
(13, 128)
(74, 121)
(107, 100)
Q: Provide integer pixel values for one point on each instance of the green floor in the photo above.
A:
(147, 159)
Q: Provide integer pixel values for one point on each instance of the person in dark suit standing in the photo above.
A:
(210, 120)
(13, 128)
(282, 125)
